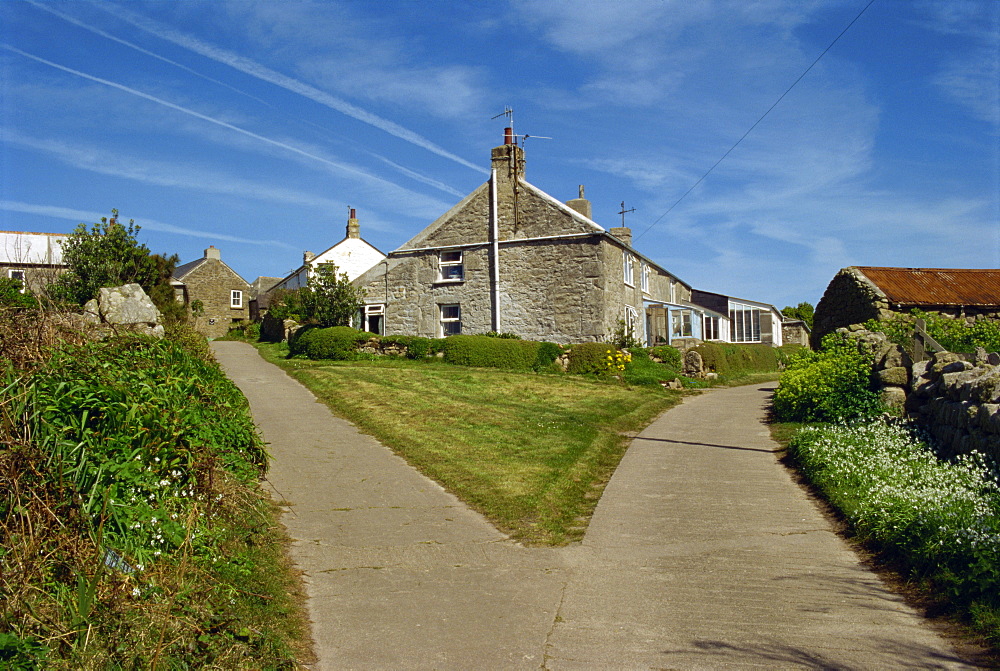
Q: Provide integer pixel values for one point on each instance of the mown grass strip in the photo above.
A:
(531, 452)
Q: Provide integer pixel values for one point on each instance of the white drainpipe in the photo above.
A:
(495, 249)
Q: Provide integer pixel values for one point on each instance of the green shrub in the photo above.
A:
(416, 347)
(299, 338)
(829, 385)
(670, 356)
(643, 370)
(11, 295)
(955, 335)
(506, 336)
(548, 352)
(589, 357)
(245, 330)
(489, 352)
(337, 342)
(737, 359)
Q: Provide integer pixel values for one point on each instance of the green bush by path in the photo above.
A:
(939, 520)
(734, 360)
(829, 385)
(670, 356)
(131, 523)
(589, 357)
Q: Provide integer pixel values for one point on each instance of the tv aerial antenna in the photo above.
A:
(509, 113)
(623, 212)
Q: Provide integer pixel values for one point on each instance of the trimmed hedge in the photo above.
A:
(487, 352)
(589, 357)
(734, 359)
(337, 342)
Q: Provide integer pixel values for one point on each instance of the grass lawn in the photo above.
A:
(531, 452)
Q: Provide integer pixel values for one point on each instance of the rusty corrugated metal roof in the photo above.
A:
(937, 286)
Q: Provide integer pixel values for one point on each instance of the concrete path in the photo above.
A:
(702, 554)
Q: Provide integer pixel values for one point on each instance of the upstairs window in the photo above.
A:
(235, 299)
(644, 278)
(628, 264)
(451, 267)
(451, 320)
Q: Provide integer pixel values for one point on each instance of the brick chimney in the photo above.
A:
(623, 233)
(353, 227)
(508, 158)
(213, 253)
(581, 205)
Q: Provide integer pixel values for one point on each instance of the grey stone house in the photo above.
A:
(511, 258)
(225, 296)
(859, 293)
(35, 259)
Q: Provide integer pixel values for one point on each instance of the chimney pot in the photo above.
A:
(508, 136)
(353, 227)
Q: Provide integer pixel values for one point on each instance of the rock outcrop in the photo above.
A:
(124, 308)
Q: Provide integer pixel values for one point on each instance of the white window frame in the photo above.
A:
(236, 299)
(628, 269)
(745, 322)
(681, 324)
(711, 329)
(374, 309)
(20, 275)
(451, 319)
(448, 266)
(631, 321)
(644, 277)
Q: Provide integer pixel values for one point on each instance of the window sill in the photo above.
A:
(437, 282)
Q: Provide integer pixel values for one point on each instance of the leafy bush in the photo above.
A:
(670, 356)
(941, 520)
(955, 335)
(548, 352)
(489, 352)
(506, 336)
(828, 385)
(738, 359)
(127, 492)
(338, 342)
(245, 330)
(416, 347)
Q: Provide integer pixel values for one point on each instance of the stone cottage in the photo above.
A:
(224, 295)
(511, 258)
(859, 293)
(35, 259)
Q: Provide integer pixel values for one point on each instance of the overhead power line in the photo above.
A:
(757, 123)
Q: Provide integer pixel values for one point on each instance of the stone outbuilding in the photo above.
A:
(35, 259)
(859, 293)
(511, 258)
(224, 295)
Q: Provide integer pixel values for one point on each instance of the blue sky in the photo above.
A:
(253, 126)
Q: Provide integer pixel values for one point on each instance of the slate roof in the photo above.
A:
(936, 286)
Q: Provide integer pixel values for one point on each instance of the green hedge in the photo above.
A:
(337, 342)
(734, 359)
(488, 352)
(589, 357)
(669, 355)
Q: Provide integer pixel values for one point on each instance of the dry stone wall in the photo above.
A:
(955, 397)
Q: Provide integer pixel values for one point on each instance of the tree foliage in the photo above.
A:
(329, 299)
(108, 255)
(804, 311)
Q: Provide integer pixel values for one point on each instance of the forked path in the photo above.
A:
(702, 554)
